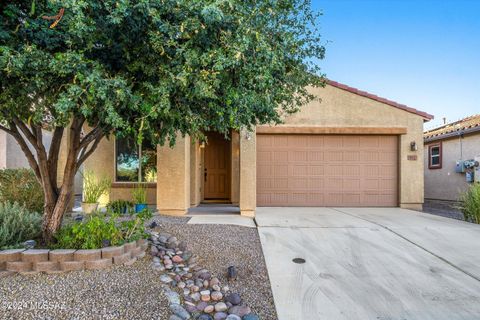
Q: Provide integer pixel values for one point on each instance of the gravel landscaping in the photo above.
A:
(136, 291)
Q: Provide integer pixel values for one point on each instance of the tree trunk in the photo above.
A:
(57, 198)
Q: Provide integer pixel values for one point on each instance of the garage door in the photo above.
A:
(327, 170)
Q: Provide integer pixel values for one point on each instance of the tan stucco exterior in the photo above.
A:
(445, 183)
(180, 169)
(102, 163)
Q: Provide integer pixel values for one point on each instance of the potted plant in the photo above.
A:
(139, 195)
(93, 189)
(120, 206)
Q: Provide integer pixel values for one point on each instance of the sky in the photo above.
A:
(422, 53)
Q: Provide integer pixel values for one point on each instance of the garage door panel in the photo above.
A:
(323, 170)
(316, 170)
(315, 156)
(317, 184)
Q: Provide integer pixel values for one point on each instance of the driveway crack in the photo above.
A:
(412, 242)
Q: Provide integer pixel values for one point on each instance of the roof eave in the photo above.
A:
(426, 116)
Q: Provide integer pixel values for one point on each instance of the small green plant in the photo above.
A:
(120, 206)
(470, 203)
(139, 194)
(18, 224)
(100, 228)
(90, 234)
(134, 229)
(21, 185)
(94, 188)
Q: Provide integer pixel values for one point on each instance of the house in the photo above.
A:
(450, 154)
(350, 149)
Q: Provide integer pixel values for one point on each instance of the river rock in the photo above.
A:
(221, 307)
(216, 296)
(239, 310)
(220, 316)
(179, 311)
(234, 299)
(209, 309)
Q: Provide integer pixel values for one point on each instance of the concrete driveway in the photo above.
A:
(364, 263)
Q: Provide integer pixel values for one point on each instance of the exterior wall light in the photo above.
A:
(413, 146)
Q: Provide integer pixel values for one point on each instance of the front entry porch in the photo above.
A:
(192, 174)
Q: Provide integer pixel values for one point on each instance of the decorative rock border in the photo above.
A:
(192, 291)
(63, 260)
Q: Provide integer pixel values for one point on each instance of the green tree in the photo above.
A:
(148, 67)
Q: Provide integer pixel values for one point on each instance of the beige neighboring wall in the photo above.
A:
(445, 183)
(3, 149)
(339, 108)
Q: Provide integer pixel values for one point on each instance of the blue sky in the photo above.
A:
(423, 53)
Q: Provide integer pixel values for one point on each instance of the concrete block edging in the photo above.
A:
(33, 261)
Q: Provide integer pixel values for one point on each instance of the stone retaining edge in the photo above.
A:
(31, 261)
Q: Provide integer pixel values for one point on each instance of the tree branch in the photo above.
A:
(6, 130)
(28, 134)
(92, 135)
(26, 150)
(86, 154)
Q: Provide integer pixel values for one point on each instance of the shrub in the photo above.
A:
(120, 206)
(21, 185)
(18, 224)
(100, 228)
(139, 194)
(94, 188)
(470, 203)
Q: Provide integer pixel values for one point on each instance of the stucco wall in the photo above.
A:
(12, 156)
(196, 169)
(3, 149)
(340, 108)
(235, 166)
(173, 185)
(102, 163)
(445, 183)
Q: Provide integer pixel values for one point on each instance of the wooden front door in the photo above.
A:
(217, 167)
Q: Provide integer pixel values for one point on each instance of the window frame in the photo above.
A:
(116, 182)
(440, 156)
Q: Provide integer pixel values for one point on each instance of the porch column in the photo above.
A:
(173, 178)
(248, 173)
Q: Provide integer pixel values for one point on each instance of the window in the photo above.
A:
(435, 156)
(134, 163)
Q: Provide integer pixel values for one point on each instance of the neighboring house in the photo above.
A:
(449, 150)
(12, 156)
(351, 148)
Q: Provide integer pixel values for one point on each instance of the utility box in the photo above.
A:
(477, 170)
(459, 167)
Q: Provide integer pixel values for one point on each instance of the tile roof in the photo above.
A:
(397, 105)
(467, 123)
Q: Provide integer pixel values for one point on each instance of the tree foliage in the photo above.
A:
(149, 67)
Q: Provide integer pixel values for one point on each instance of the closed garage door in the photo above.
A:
(327, 170)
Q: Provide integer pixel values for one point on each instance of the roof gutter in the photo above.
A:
(452, 134)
